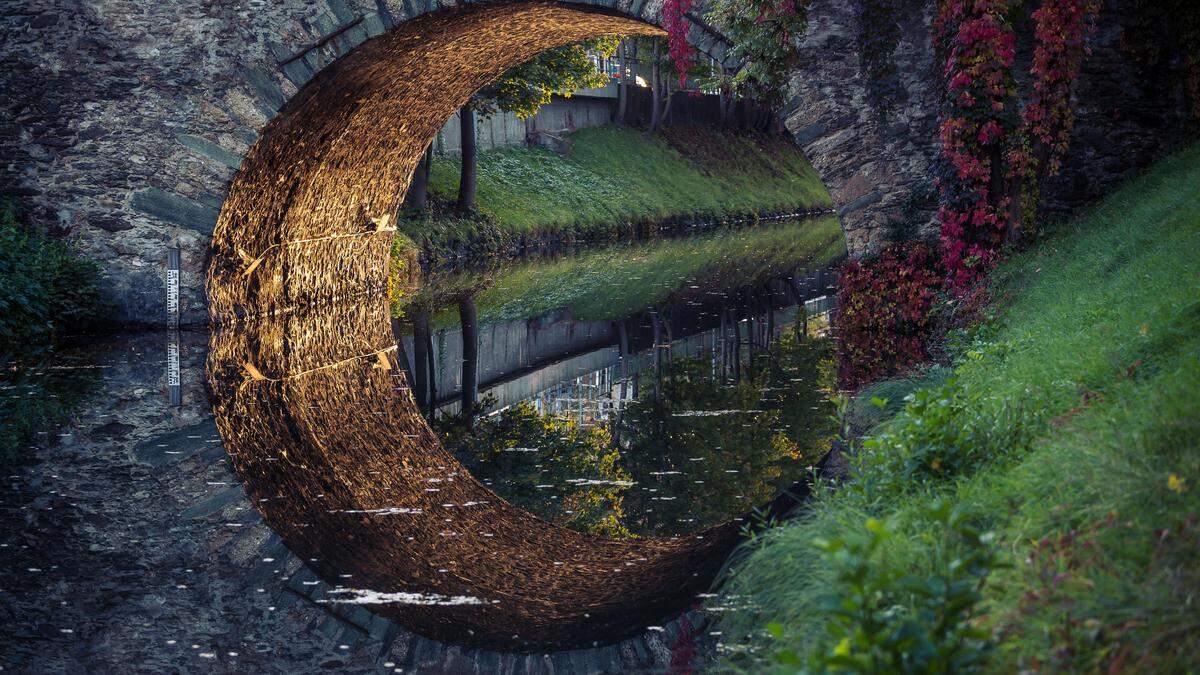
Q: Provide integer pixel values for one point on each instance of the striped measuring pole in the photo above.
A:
(173, 387)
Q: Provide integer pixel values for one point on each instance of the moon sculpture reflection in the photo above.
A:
(319, 422)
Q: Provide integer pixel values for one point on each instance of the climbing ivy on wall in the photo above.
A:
(978, 125)
(678, 48)
(999, 147)
(999, 144)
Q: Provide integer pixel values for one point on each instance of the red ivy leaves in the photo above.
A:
(884, 313)
(777, 20)
(677, 25)
(976, 132)
(1063, 29)
(986, 142)
(999, 151)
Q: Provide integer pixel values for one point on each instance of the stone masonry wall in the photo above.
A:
(124, 121)
(869, 163)
(1128, 115)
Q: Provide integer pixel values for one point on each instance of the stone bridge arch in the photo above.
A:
(311, 213)
(133, 119)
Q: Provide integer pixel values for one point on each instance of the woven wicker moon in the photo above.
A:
(317, 418)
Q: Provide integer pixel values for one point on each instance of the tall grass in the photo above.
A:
(1084, 391)
(614, 174)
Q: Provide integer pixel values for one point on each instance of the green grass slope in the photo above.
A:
(1070, 429)
(616, 175)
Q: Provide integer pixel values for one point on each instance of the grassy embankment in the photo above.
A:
(617, 281)
(613, 182)
(1070, 428)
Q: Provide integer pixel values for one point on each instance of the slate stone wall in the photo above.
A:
(870, 162)
(1128, 115)
(123, 122)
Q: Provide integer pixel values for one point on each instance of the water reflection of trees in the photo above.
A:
(709, 448)
(703, 443)
(38, 393)
(551, 466)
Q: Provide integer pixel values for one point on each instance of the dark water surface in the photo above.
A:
(634, 406)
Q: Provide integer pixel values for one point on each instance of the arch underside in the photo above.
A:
(316, 416)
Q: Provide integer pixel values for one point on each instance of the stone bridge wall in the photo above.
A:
(125, 121)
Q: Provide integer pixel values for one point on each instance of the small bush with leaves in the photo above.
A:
(883, 619)
(886, 313)
(45, 288)
(943, 432)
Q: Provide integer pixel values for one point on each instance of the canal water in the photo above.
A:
(538, 465)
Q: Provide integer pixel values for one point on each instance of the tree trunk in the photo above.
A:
(770, 316)
(623, 374)
(751, 336)
(432, 366)
(623, 84)
(724, 344)
(670, 339)
(421, 358)
(401, 352)
(467, 177)
(469, 319)
(417, 198)
(727, 100)
(656, 77)
(737, 346)
(654, 319)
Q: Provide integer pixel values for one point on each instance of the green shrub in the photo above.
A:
(881, 618)
(45, 289)
(1078, 398)
(880, 402)
(942, 433)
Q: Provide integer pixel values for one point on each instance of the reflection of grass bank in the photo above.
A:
(618, 281)
(614, 177)
(1070, 429)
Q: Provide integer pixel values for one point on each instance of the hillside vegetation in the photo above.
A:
(614, 177)
(1035, 509)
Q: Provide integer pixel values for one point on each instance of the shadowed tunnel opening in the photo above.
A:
(317, 416)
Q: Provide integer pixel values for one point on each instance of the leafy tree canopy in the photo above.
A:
(529, 86)
(762, 33)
